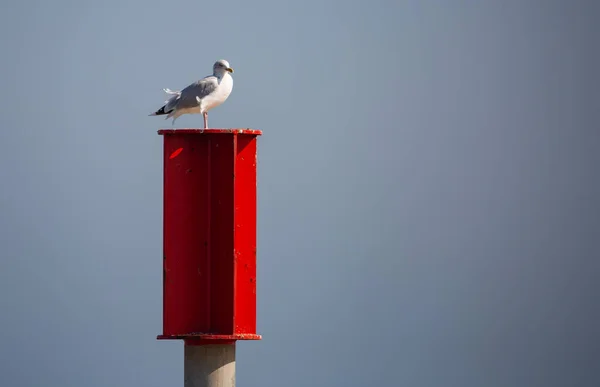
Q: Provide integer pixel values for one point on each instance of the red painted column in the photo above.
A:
(209, 236)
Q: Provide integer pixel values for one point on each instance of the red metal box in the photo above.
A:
(209, 235)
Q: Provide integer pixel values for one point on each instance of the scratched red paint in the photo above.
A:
(176, 153)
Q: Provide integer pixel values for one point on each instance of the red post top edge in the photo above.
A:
(210, 131)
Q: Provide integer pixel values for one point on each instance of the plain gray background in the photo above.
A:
(429, 209)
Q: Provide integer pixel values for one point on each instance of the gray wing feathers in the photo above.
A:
(186, 98)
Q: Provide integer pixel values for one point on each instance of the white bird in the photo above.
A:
(201, 96)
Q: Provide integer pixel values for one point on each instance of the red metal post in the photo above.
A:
(209, 236)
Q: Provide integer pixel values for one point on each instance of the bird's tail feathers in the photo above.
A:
(176, 94)
(159, 112)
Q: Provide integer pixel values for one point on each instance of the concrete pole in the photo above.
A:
(209, 365)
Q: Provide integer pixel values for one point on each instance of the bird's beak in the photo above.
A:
(230, 69)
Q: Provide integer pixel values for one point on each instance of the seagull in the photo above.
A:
(200, 96)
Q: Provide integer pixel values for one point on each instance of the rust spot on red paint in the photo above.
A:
(176, 153)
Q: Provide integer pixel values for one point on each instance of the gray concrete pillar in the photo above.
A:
(209, 365)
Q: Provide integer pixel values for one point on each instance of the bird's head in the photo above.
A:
(221, 67)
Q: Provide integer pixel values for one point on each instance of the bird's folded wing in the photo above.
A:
(202, 88)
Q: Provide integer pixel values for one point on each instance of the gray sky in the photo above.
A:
(428, 188)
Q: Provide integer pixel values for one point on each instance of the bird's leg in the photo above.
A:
(205, 114)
